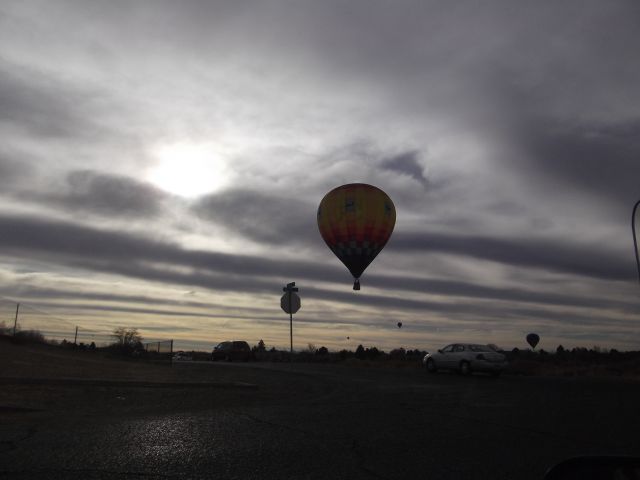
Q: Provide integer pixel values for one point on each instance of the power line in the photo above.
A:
(29, 306)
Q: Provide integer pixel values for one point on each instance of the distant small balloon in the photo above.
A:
(348, 338)
(533, 339)
(399, 324)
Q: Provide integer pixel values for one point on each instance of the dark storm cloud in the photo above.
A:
(109, 195)
(266, 283)
(260, 216)
(563, 318)
(405, 303)
(602, 159)
(251, 315)
(40, 293)
(472, 290)
(441, 287)
(572, 258)
(481, 315)
(42, 105)
(119, 253)
(41, 296)
(130, 309)
(492, 315)
(211, 276)
(407, 164)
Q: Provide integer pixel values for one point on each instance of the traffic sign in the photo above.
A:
(291, 287)
(295, 302)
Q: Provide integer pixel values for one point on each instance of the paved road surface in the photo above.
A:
(316, 422)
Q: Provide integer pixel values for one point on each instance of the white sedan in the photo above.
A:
(182, 356)
(466, 358)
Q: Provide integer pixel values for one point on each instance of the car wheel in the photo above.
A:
(431, 366)
(465, 368)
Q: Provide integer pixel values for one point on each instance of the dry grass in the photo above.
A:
(34, 360)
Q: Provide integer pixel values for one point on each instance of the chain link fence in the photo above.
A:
(26, 322)
(160, 352)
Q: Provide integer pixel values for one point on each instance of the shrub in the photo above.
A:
(29, 336)
(397, 354)
(127, 342)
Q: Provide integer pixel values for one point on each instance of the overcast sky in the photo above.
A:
(161, 164)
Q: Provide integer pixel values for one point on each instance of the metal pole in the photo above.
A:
(291, 326)
(15, 323)
(76, 337)
(289, 289)
(635, 240)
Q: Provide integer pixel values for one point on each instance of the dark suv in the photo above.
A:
(229, 351)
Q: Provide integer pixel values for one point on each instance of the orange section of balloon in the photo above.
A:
(356, 221)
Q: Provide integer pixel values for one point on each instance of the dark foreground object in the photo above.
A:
(596, 468)
(314, 422)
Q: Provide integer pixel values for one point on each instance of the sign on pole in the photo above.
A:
(290, 306)
(290, 303)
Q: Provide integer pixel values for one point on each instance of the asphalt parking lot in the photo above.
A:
(312, 421)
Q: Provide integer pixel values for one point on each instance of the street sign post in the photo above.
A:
(290, 303)
(635, 240)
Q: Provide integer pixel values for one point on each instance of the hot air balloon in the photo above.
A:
(356, 221)
(533, 339)
(399, 324)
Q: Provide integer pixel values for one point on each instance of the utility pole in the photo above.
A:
(635, 240)
(76, 337)
(15, 323)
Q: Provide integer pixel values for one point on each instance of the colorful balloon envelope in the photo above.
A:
(533, 339)
(356, 221)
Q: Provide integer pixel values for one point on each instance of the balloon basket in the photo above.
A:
(356, 284)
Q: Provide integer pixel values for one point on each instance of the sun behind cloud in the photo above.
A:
(188, 169)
